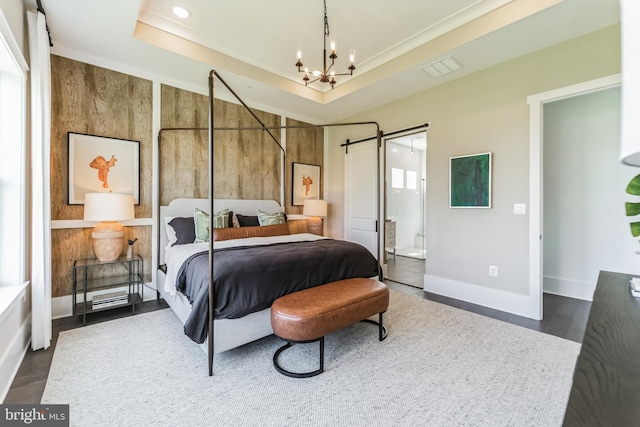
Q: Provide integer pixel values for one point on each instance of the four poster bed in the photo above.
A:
(251, 272)
(222, 291)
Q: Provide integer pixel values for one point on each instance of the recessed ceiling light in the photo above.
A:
(180, 12)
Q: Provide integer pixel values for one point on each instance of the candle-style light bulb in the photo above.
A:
(299, 56)
(333, 46)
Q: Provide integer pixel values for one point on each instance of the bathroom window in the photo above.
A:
(412, 180)
(397, 178)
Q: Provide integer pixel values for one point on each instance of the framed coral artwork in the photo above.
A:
(305, 183)
(101, 164)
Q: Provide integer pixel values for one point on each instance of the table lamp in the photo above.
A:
(109, 208)
(314, 209)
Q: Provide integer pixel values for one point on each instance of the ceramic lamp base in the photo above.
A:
(108, 240)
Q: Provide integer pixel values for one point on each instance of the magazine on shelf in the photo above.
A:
(110, 304)
(112, 298)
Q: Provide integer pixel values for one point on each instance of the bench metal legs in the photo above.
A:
(301, 374)
(382, 330)
(382, 334)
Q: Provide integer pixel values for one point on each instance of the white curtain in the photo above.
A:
(40, 77)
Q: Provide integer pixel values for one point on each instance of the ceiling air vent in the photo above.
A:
(442, 67)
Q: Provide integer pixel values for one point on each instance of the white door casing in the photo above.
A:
(536, 105)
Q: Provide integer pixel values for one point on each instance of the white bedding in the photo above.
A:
(175, 256)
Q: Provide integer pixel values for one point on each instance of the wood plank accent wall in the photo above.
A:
(251, 165)
(303, 146)
(97, 101)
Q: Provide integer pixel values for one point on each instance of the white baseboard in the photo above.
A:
(521, 305)
(13, 355)
(569, 288)
(63, 306)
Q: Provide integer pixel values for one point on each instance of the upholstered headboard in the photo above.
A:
(185, 208)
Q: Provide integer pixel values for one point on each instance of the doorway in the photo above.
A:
(532, 306)
(583, 194)
(405, 207)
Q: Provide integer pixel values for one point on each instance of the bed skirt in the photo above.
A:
(228, 333)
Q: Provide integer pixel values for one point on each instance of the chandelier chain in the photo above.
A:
(326, 21)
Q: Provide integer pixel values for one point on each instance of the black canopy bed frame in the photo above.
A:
(211, 128)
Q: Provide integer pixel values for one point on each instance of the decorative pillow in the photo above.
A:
(201, 220)
(171, 233)
(266, 218)
(181, 231)
(221, 219)
(230, 223)
(247, 221)
(235, 222)
(244, 232)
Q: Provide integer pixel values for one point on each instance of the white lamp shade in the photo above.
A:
(108, 207)
(630, 138)
(314, 207)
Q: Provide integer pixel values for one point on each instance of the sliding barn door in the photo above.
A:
(361, 195)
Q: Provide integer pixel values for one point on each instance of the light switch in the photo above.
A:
(519, 209)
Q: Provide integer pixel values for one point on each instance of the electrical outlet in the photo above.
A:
(493, 271)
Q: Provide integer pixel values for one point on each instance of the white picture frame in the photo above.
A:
(102, 164)
(305, 183)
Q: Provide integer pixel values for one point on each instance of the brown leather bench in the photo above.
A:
(308, 315)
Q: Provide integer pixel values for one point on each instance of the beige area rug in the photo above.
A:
(440, 366)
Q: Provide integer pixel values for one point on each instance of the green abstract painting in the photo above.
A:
(470, 181)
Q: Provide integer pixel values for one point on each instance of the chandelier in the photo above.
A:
(327, 75)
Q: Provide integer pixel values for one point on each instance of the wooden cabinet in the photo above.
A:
(315, 226)
(607, 373)
(310, 225)
(390, 237)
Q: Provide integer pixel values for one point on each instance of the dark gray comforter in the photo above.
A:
(248, 279)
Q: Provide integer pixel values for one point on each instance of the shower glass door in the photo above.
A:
(405, 164)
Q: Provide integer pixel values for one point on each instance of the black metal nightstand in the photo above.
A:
(95, 276)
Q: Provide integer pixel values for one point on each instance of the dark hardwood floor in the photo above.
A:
(28, 385)
(407, 270)
(563, 317)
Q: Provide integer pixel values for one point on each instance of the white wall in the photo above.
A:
(14, 12)
(584, 188)
(486, 111)
(15, 335)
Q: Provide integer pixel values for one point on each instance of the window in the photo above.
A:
(412, 180)
(397, 178)
(12, 160)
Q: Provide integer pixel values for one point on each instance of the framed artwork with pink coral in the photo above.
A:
(305, 183)
(101, 164)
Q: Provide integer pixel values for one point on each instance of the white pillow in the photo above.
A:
(171, 233)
